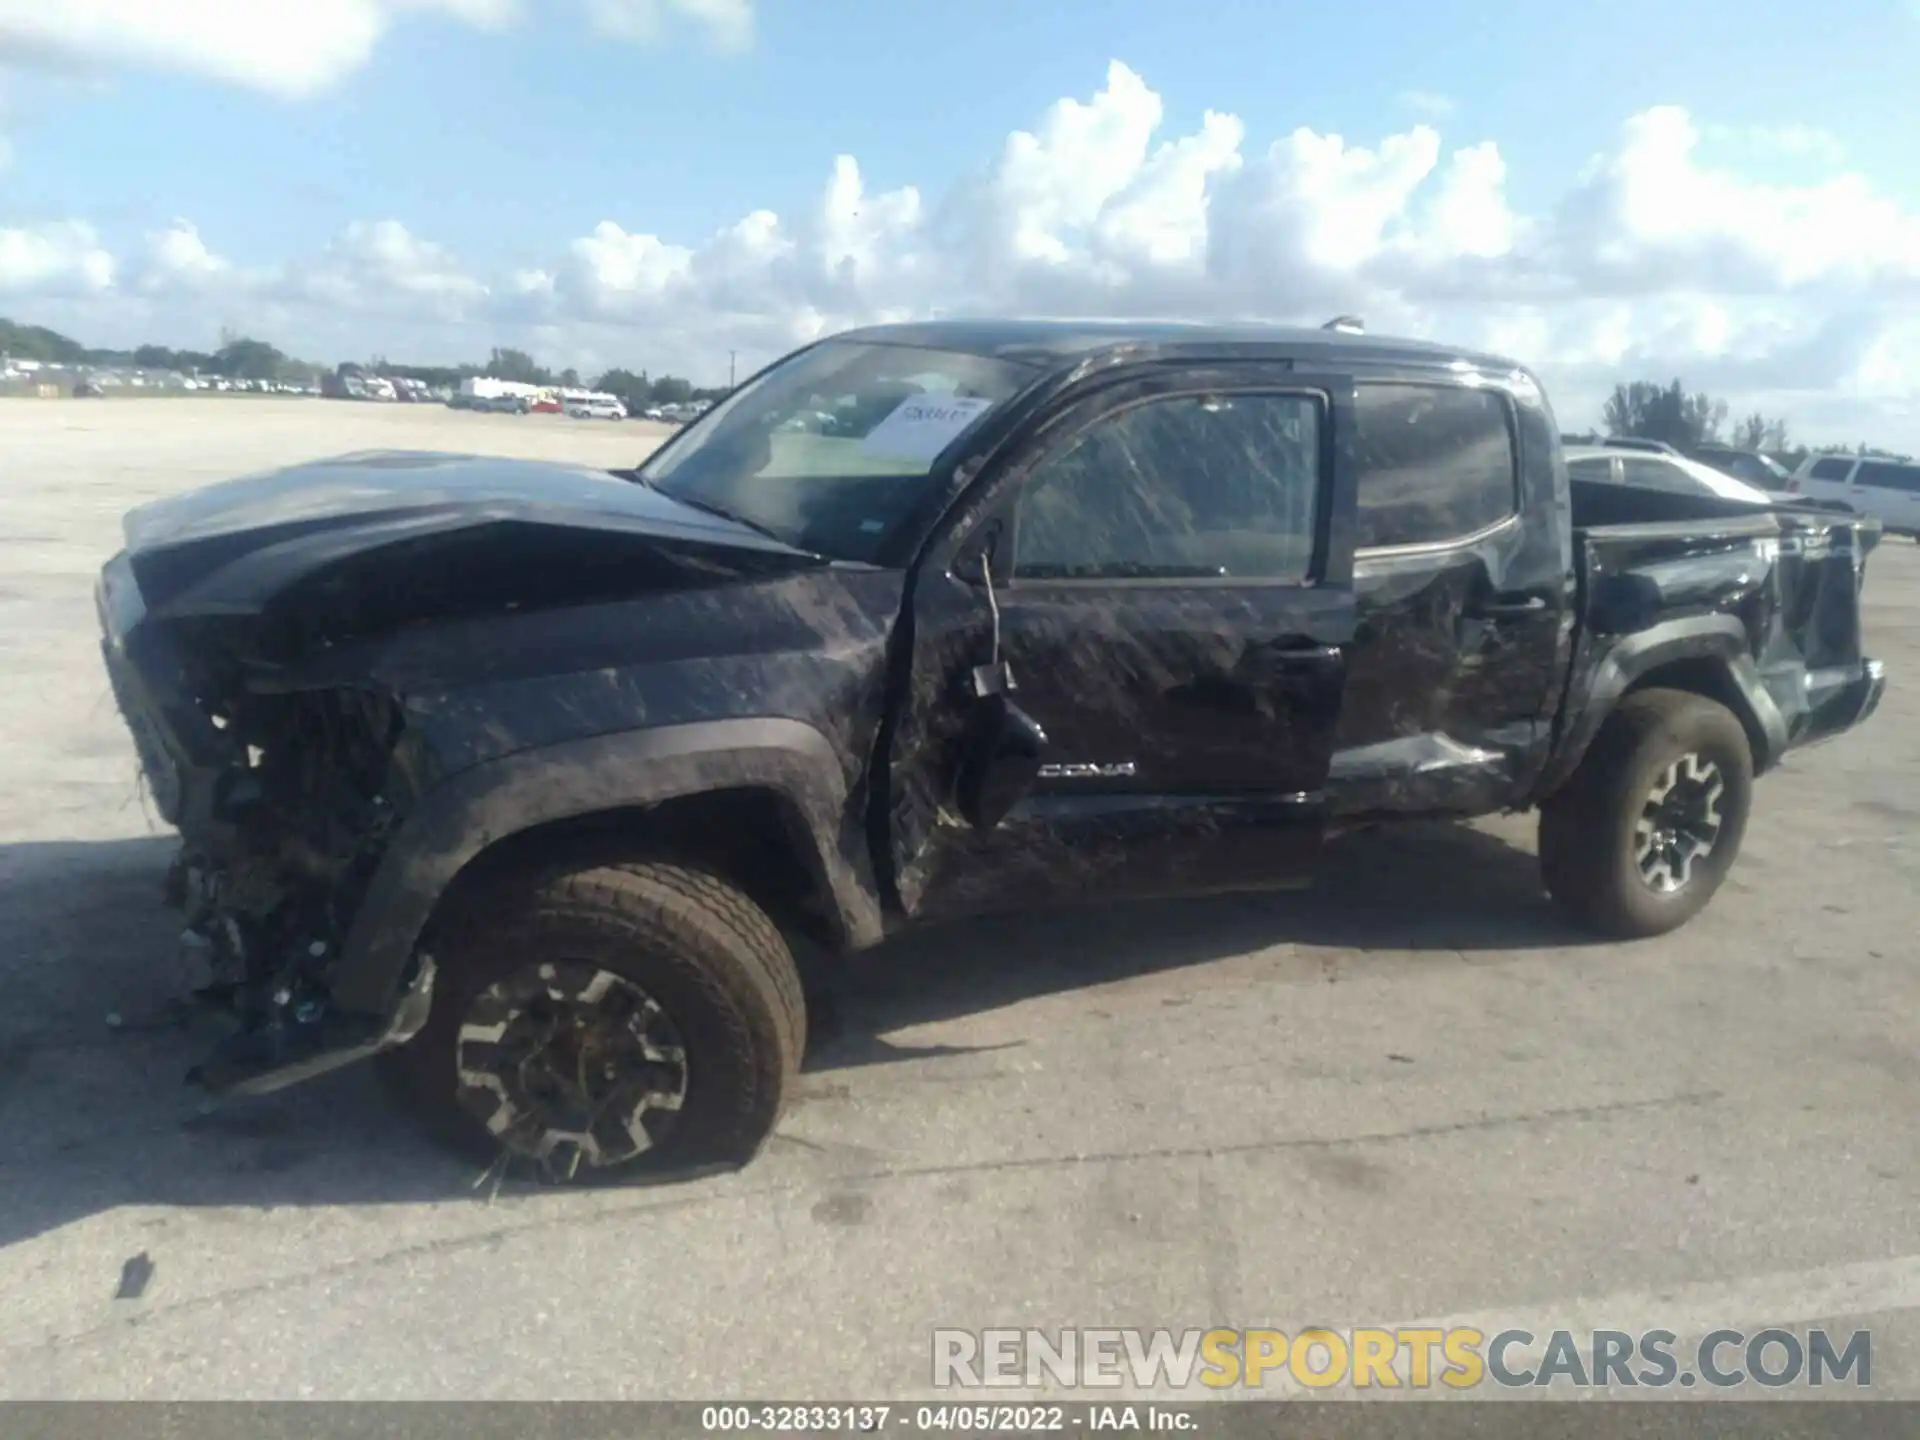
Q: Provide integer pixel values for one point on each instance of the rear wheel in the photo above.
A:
(1642, 835)
(613, 1020)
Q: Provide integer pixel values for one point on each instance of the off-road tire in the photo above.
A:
(691, 940)
(1587, 845)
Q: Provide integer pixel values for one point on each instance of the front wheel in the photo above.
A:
(613, 1019)
(1643, 833)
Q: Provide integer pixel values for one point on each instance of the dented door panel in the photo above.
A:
(1463, 641)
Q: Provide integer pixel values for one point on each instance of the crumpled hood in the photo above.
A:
(343, 546)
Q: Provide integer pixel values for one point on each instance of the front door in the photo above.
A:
(1172, 570)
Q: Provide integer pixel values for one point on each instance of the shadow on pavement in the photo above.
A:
(95, 1113)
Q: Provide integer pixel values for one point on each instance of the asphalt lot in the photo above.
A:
(1407, 1094)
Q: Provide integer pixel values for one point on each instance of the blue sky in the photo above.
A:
(510, 141)
(496, 149)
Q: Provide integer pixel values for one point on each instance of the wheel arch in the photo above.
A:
(1711, 678)
(1708, 655)
(729, 791)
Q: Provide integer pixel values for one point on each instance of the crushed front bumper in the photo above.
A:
(264, 962)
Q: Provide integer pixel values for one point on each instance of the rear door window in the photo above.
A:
(1436, 463)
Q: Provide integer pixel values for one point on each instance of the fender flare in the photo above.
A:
(456, 822)
(1721, 639)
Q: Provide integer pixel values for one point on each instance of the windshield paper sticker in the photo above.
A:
(920, 428)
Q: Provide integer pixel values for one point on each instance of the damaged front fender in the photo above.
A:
(493, 802)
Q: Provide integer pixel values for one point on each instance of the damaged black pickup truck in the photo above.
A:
(532, 779)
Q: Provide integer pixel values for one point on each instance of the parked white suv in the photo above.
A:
(1888, 490)
(596, 407)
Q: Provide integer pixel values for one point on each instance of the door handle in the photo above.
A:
(1507, 608)
(1304, 652)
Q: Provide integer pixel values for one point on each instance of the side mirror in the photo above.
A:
(999, 760)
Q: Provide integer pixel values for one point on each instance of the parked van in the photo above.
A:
(595, 407)
(1888, 490)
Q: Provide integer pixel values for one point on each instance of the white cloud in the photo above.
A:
(1653, 260)
(610, 272)
(380, 266)
(177, 259)
(729, 23)
(1430, 103)
(297, 48)
(1812, 143)
(1651, 216)
(64, 260)
(294, 48)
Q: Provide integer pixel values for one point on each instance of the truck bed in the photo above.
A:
(1691, 581)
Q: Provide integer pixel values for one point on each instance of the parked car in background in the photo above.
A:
(1876, 485)
(1634, 442)
(596, 407)
(87, 389)
(1756, 469)
(1666, 470)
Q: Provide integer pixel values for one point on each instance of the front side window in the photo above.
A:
(1436, 463)
(832, 449)
(1591, 468)
(1833, 468)
(1191, 486)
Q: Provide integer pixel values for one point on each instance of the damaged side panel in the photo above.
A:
(328, 796)
(1761, 611)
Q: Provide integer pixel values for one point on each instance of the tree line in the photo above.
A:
(238, 357)
(1649, 410)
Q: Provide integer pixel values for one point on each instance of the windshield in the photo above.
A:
(831, 449)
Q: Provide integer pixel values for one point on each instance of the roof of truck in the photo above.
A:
(1049, 343)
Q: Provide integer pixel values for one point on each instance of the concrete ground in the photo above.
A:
(1408, 1094)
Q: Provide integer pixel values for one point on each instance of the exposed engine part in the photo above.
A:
(266, 893)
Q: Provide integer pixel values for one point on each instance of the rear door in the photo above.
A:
(1461, 579)
(1173, 563)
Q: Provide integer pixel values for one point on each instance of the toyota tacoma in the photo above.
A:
(531, 780)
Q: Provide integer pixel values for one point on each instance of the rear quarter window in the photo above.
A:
(1885, 476)
(1436, 462)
